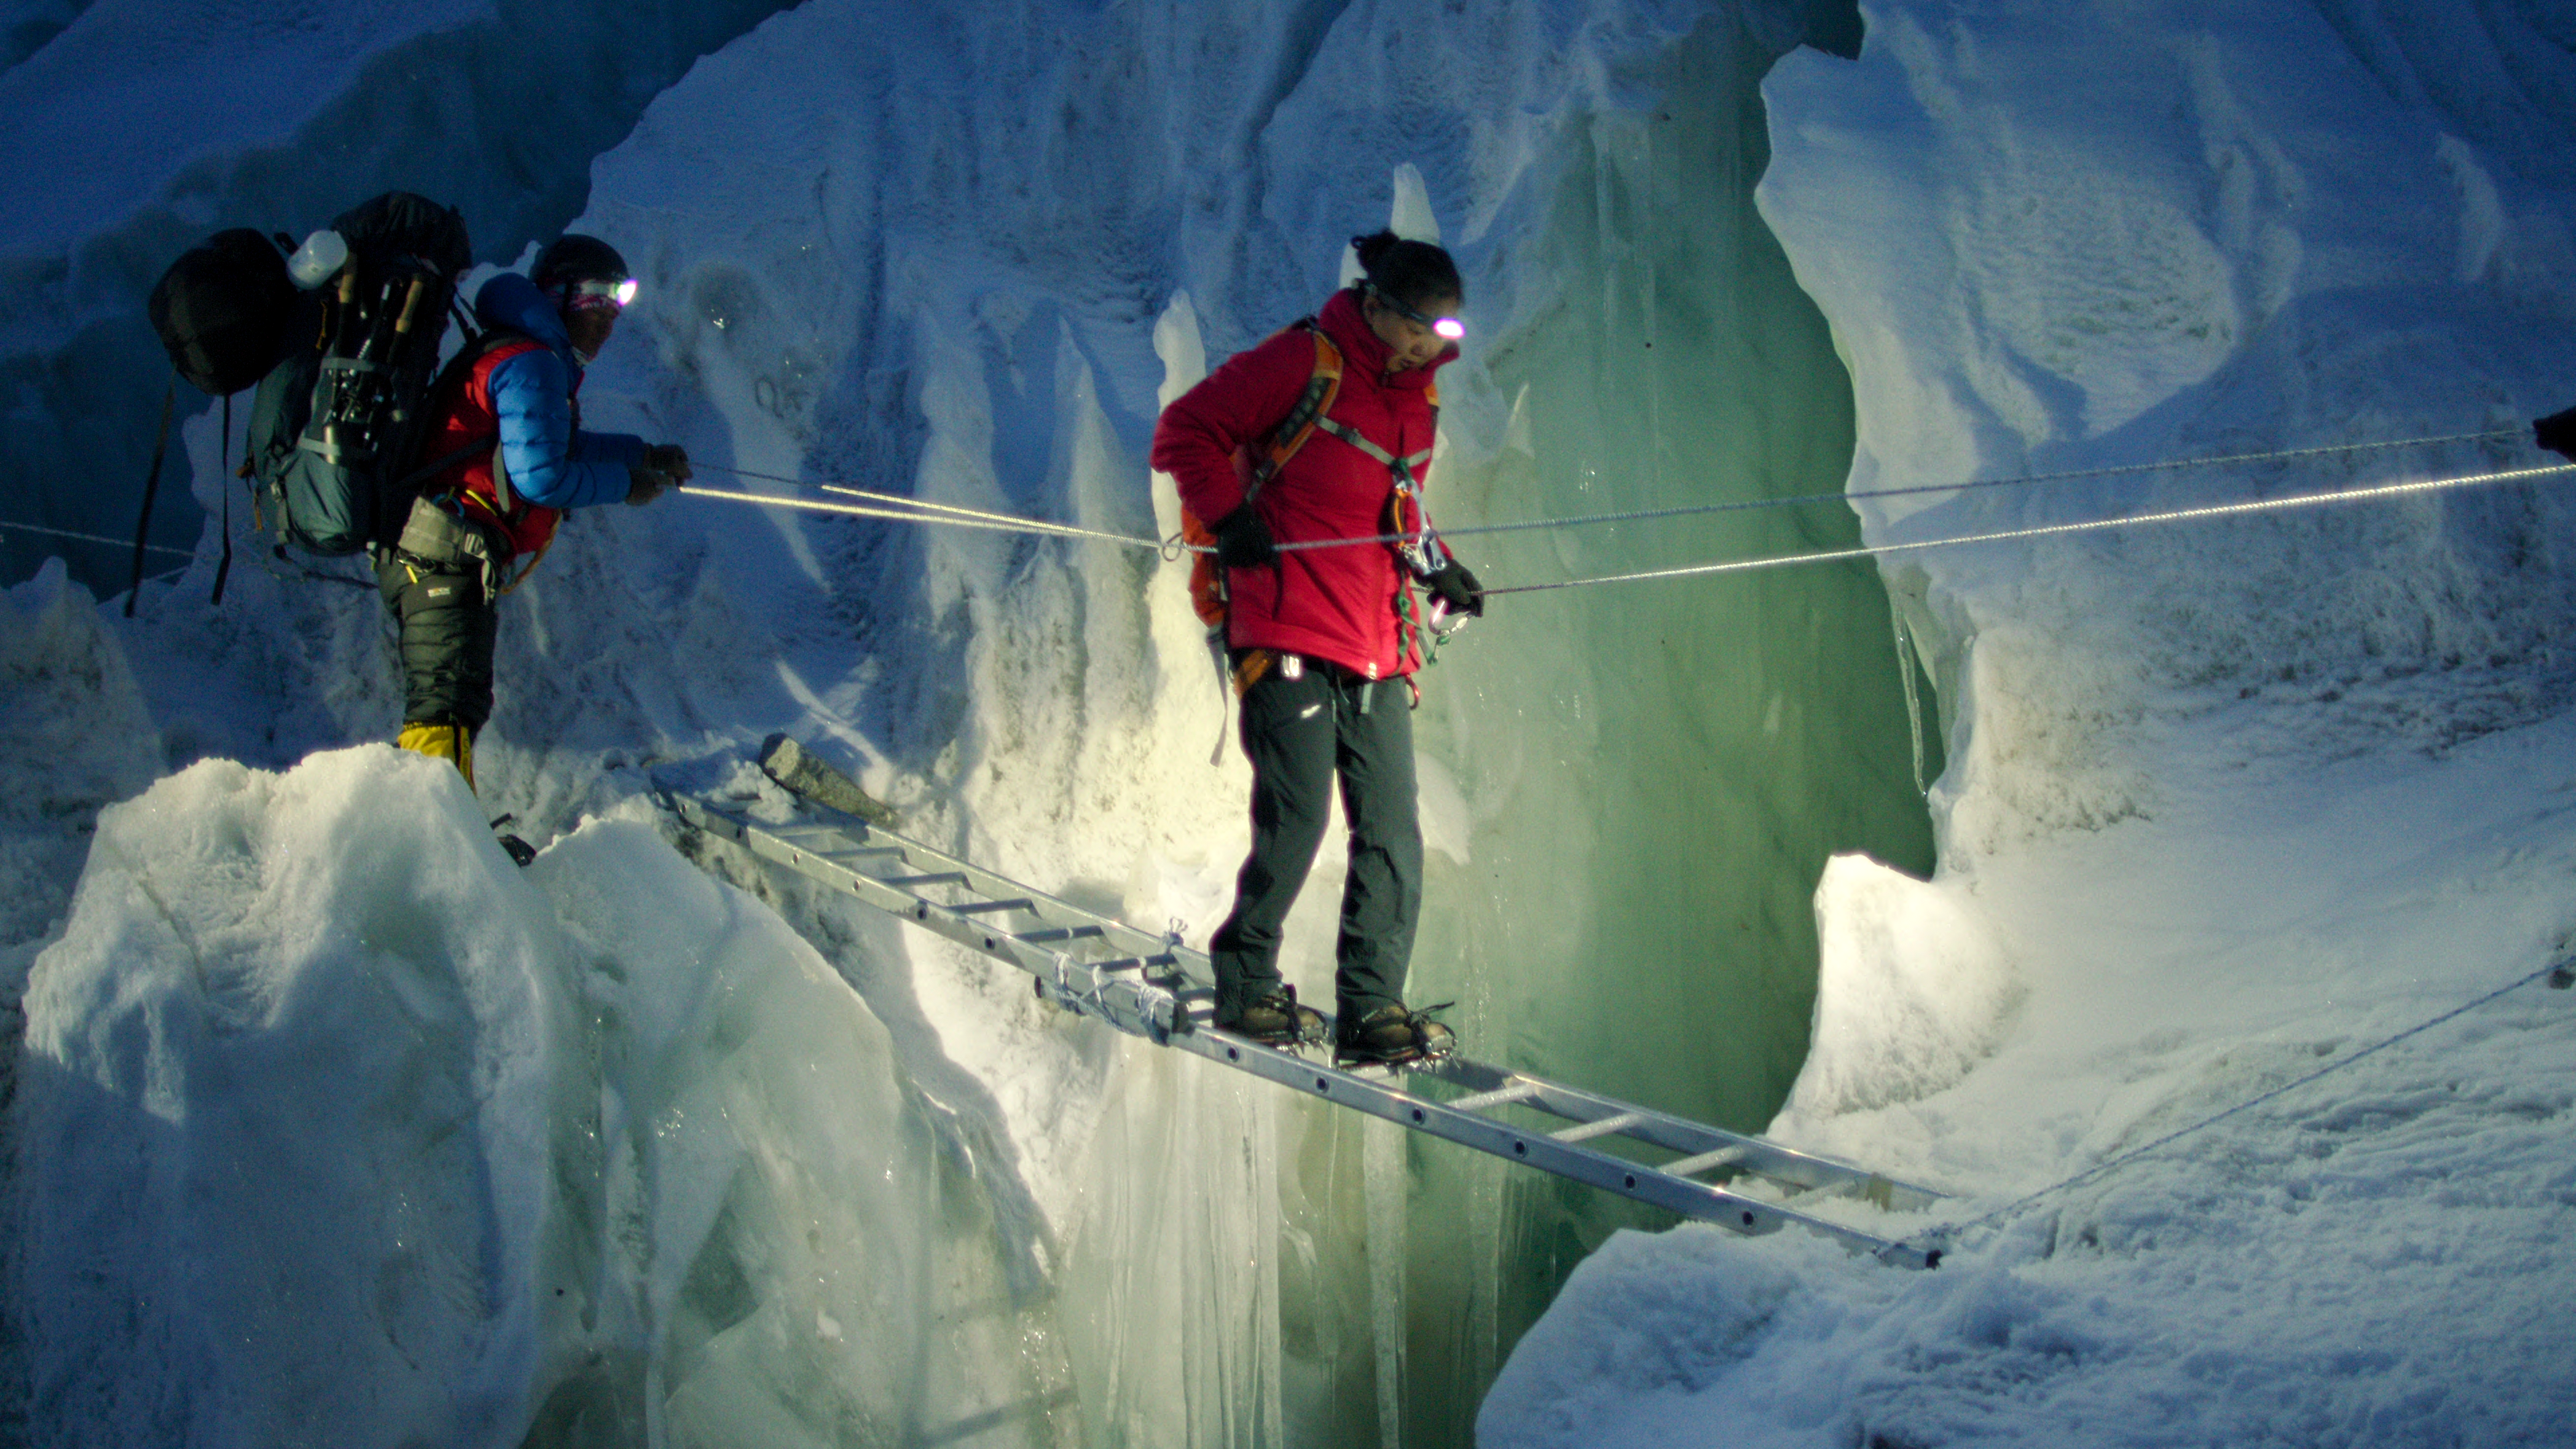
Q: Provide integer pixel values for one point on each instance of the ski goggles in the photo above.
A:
(596, 294)
(1449, 328)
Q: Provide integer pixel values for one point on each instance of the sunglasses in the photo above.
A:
(617, 293)
(1448, 327)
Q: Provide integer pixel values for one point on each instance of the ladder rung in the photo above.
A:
(1499, 1097)
(1611, 1125)
(1722, 1157)
(1177, 1009)
(1061, 933)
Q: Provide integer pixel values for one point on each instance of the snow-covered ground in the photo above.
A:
(329, 1127)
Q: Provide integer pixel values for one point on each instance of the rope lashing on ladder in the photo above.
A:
(896, 508)
(1942, 1237)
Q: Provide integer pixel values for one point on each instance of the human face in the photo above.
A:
(1408, 332)
(589, 328)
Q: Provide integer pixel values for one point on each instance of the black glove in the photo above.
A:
(2557, 433)
(665, 466)
(1458, 589)
(1243, 541)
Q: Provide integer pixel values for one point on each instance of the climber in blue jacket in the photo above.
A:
(481, 524)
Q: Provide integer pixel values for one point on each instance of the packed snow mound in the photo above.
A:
(335, 1128)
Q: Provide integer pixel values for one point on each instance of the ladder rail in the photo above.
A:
(1153, 986)
(1760, 1156)
(1704, 1202)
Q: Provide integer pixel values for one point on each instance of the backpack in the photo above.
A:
(335, 429)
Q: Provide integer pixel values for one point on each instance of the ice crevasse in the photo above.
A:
(2219, 803)
(2227, 804)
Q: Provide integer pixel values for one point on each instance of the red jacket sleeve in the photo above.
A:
(1238, 404)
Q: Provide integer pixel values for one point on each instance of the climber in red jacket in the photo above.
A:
(1324, 641)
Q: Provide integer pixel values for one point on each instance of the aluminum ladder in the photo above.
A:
(1154, 987)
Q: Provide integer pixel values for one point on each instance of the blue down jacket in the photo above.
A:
(551, 463)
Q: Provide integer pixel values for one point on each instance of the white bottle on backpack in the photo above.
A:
(319, 259)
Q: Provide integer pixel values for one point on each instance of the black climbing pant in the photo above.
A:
(448, 628)
(1301, 733)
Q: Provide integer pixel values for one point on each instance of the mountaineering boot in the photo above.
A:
(1276, 1020)
(519, 851)
(1390, 1036)
(453, 743)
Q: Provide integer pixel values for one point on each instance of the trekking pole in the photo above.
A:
(151, 488)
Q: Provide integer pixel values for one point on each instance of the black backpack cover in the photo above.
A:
(222, 311)
(335, 430)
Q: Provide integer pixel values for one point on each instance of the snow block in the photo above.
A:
(336, 1128)
(1912, 990)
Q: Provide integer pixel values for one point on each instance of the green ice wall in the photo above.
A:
(1657, 771)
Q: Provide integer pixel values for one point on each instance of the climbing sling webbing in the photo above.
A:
(1417, 548)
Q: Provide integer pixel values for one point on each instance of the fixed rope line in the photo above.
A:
(2555, 970)
(889, 500)
(2050, 530)
(1806, 499)
(94, 538)
(917, 507)
(897, 508)
(998, 523)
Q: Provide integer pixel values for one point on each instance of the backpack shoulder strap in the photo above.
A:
(449, 387)
(1322, 386)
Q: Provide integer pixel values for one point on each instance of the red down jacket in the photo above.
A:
(1325, 603)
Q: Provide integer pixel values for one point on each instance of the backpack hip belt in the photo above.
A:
(434, 536)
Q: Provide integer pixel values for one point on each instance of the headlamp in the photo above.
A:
(620, 293)
(1449, 328)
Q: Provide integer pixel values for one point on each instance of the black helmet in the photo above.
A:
(573, 257)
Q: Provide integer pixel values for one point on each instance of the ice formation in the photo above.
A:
(2219, 805)
(2229, 804)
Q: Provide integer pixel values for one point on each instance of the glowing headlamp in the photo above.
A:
(1449, 328)
(619, 293)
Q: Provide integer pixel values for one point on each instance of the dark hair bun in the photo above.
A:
(1412, 272)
